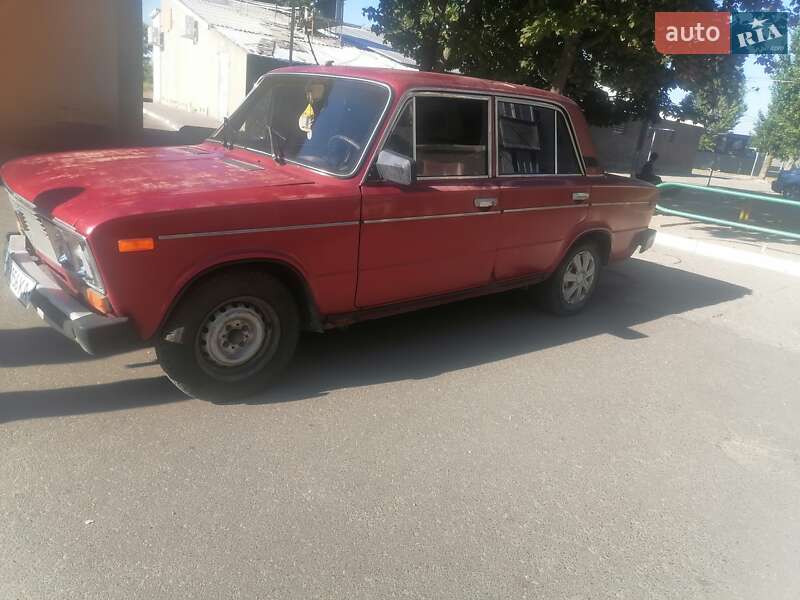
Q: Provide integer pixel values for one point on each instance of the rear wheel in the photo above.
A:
(229, 336)
(569, 289)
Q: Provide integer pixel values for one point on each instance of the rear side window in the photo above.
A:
(527, 139)
(567, 159)
(452, 136)
(534, 140)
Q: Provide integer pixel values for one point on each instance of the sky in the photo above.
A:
(758, 83)
(352, 10)
(757, 97)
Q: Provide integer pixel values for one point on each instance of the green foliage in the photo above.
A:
(778, 132)
(147, 60)
(717, 99)
(578, 47)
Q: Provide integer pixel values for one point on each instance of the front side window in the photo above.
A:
(317, 121)
(452, 136)
(402, 138)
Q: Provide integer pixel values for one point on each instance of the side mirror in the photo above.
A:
(395, 168)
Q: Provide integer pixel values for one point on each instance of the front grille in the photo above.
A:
(33, 225)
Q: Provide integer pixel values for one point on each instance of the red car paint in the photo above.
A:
(371, 258)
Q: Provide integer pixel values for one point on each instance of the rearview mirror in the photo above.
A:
(395, 168)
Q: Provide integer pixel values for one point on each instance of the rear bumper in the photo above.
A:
(96, 334)
(644, 240)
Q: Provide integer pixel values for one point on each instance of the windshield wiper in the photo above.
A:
(227, 134)
(277, 149)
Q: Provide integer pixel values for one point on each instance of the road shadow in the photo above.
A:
(458, 336)
(119, 395)
(38, 346)
(426, 343)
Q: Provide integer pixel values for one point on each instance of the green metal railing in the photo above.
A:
(736, 194)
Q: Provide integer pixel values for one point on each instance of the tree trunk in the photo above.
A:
(643, 128)
(564, 67)
(765, 166)
(429, 54)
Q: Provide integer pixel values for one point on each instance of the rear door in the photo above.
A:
(439, 234)
(544, 194)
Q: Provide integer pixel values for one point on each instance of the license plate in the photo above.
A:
(20, 283)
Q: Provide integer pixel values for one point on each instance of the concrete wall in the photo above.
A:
(208, 75)
(616, 146)
(70, 66)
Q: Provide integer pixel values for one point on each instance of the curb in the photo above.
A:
(732, 255)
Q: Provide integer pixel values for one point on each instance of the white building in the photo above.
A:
(207, 54)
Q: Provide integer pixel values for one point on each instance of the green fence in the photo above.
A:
(729, 193)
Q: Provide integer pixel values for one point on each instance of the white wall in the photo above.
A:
(192, 75)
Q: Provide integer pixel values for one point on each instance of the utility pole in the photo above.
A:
(291, 35)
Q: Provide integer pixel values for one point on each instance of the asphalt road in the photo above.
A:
(647, 448)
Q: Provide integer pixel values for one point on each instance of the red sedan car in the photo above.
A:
(332, 195)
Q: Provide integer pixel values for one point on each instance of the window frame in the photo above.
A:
(403, 104)
(369, 143)
(411, 97)
(558, 109)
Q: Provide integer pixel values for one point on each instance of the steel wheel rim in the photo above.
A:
(578, 277)
(237, 338)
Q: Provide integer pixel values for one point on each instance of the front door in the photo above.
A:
(543, 193)
(439, 234)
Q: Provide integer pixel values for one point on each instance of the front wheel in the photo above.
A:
(568, 290)
(229, 336)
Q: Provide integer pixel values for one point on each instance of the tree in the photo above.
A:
(717, 100)
(600, 53)
(778, 132)
(147, 63)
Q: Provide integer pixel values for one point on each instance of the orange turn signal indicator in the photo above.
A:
(97, 301)
(136, 245)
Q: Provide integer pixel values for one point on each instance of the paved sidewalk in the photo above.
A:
(724, 180)
(775, 216)
(719, 179)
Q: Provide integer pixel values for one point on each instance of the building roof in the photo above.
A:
(264, 29)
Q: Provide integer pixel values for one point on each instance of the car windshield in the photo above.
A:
(317, 121)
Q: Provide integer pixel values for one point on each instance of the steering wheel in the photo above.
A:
(349, 145)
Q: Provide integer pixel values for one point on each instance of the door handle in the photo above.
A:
(580, 196)
(485, 203)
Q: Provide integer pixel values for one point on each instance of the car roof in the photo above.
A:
(401, 80)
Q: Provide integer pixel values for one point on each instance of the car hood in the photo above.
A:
(84, 188)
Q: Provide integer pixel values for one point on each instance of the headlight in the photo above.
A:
(74, 255)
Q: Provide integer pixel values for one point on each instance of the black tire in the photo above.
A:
(216, 318)
(552, 293)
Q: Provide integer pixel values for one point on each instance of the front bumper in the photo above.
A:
(96, 334)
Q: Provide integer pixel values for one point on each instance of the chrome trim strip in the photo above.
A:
(431, 217)
(180, 236)
(367, 144)
(599, 204)
(536, 208)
